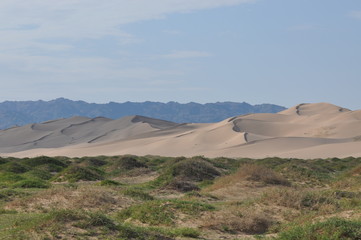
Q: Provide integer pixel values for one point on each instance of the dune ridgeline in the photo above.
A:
(318, 130)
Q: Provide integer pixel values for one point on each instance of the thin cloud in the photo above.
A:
(187, 54)
(303, 27)
(91, 18)
(173, 32)
(34, 28)
(355, 14)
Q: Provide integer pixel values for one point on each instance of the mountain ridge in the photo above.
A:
(19, 113)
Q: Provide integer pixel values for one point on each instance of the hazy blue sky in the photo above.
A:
(276, 51)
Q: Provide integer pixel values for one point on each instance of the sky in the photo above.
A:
(283, 52)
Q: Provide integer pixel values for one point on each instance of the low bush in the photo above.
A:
(31, 183)
(10, 194)
(162, 212)
(123, 165)
(43, 160)
(39, 174)
(77, 173)
(108, 182)
(137, 194)
(250, 172)
(302, 199)
(184, 170)
(249, 221)
(14, 167)
(332, 229)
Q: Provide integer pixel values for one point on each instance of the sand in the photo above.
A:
(318, 130)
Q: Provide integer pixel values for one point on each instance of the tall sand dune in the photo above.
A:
(316, 130)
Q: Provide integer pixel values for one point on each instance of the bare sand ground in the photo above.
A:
(317, 130)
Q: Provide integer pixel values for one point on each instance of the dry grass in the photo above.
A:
(350, 180)
(244, 220)
(250, 172)
(285, 197)
(83, 197)
(323, 202)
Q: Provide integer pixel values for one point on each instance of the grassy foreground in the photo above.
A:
(152, 197)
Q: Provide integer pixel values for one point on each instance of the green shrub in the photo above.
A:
(162, 212)
(39, 174)
(31, 183)
(65, 215)
(108, 182)
(137, 193)
(10, 178)
(92, 162)
(77, 173)
(43, 160)
(332, 229)
(194, 170)
(96, 219)
(14, 167)
(128, 231)
(3, 160)
(123, 165)
(185, 171)
(10, 194)
(185, 232)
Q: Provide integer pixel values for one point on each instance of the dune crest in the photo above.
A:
(303, 131)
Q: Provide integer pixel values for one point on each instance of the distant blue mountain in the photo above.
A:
(17, 113)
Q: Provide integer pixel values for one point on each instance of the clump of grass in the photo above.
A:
(96, 219)
(349, 180)
(10, 194)
(302, 199)
(14, 167)
(137, 194)
(88, 197)
(77, 173)
(108, 182)
(6, 211)
(162, 212)
(332, 229)
(31, 183)
(185, 232)
(43, 160)
(250, 172)
(92, 161)
(39, 174)
(56, 224)
(65, 215)
(317, 172)
(258, 173)
(128, 231)
(228, 164)
(180, 173)
(9, 178)
(123, 165)
(194, 170)
(182, 186)
(3, 160)
(249, 221)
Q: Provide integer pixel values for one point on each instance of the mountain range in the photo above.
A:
(19, 113)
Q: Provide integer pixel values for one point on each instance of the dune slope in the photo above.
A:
(304, 131)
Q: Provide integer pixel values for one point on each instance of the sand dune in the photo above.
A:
(304, 131)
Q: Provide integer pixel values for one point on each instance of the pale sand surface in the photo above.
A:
(317, 130)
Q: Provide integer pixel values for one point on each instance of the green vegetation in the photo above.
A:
(77, 173)
(162, 212)
(108, 182)
(152, 197)
(332, 229)
(137, 194)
